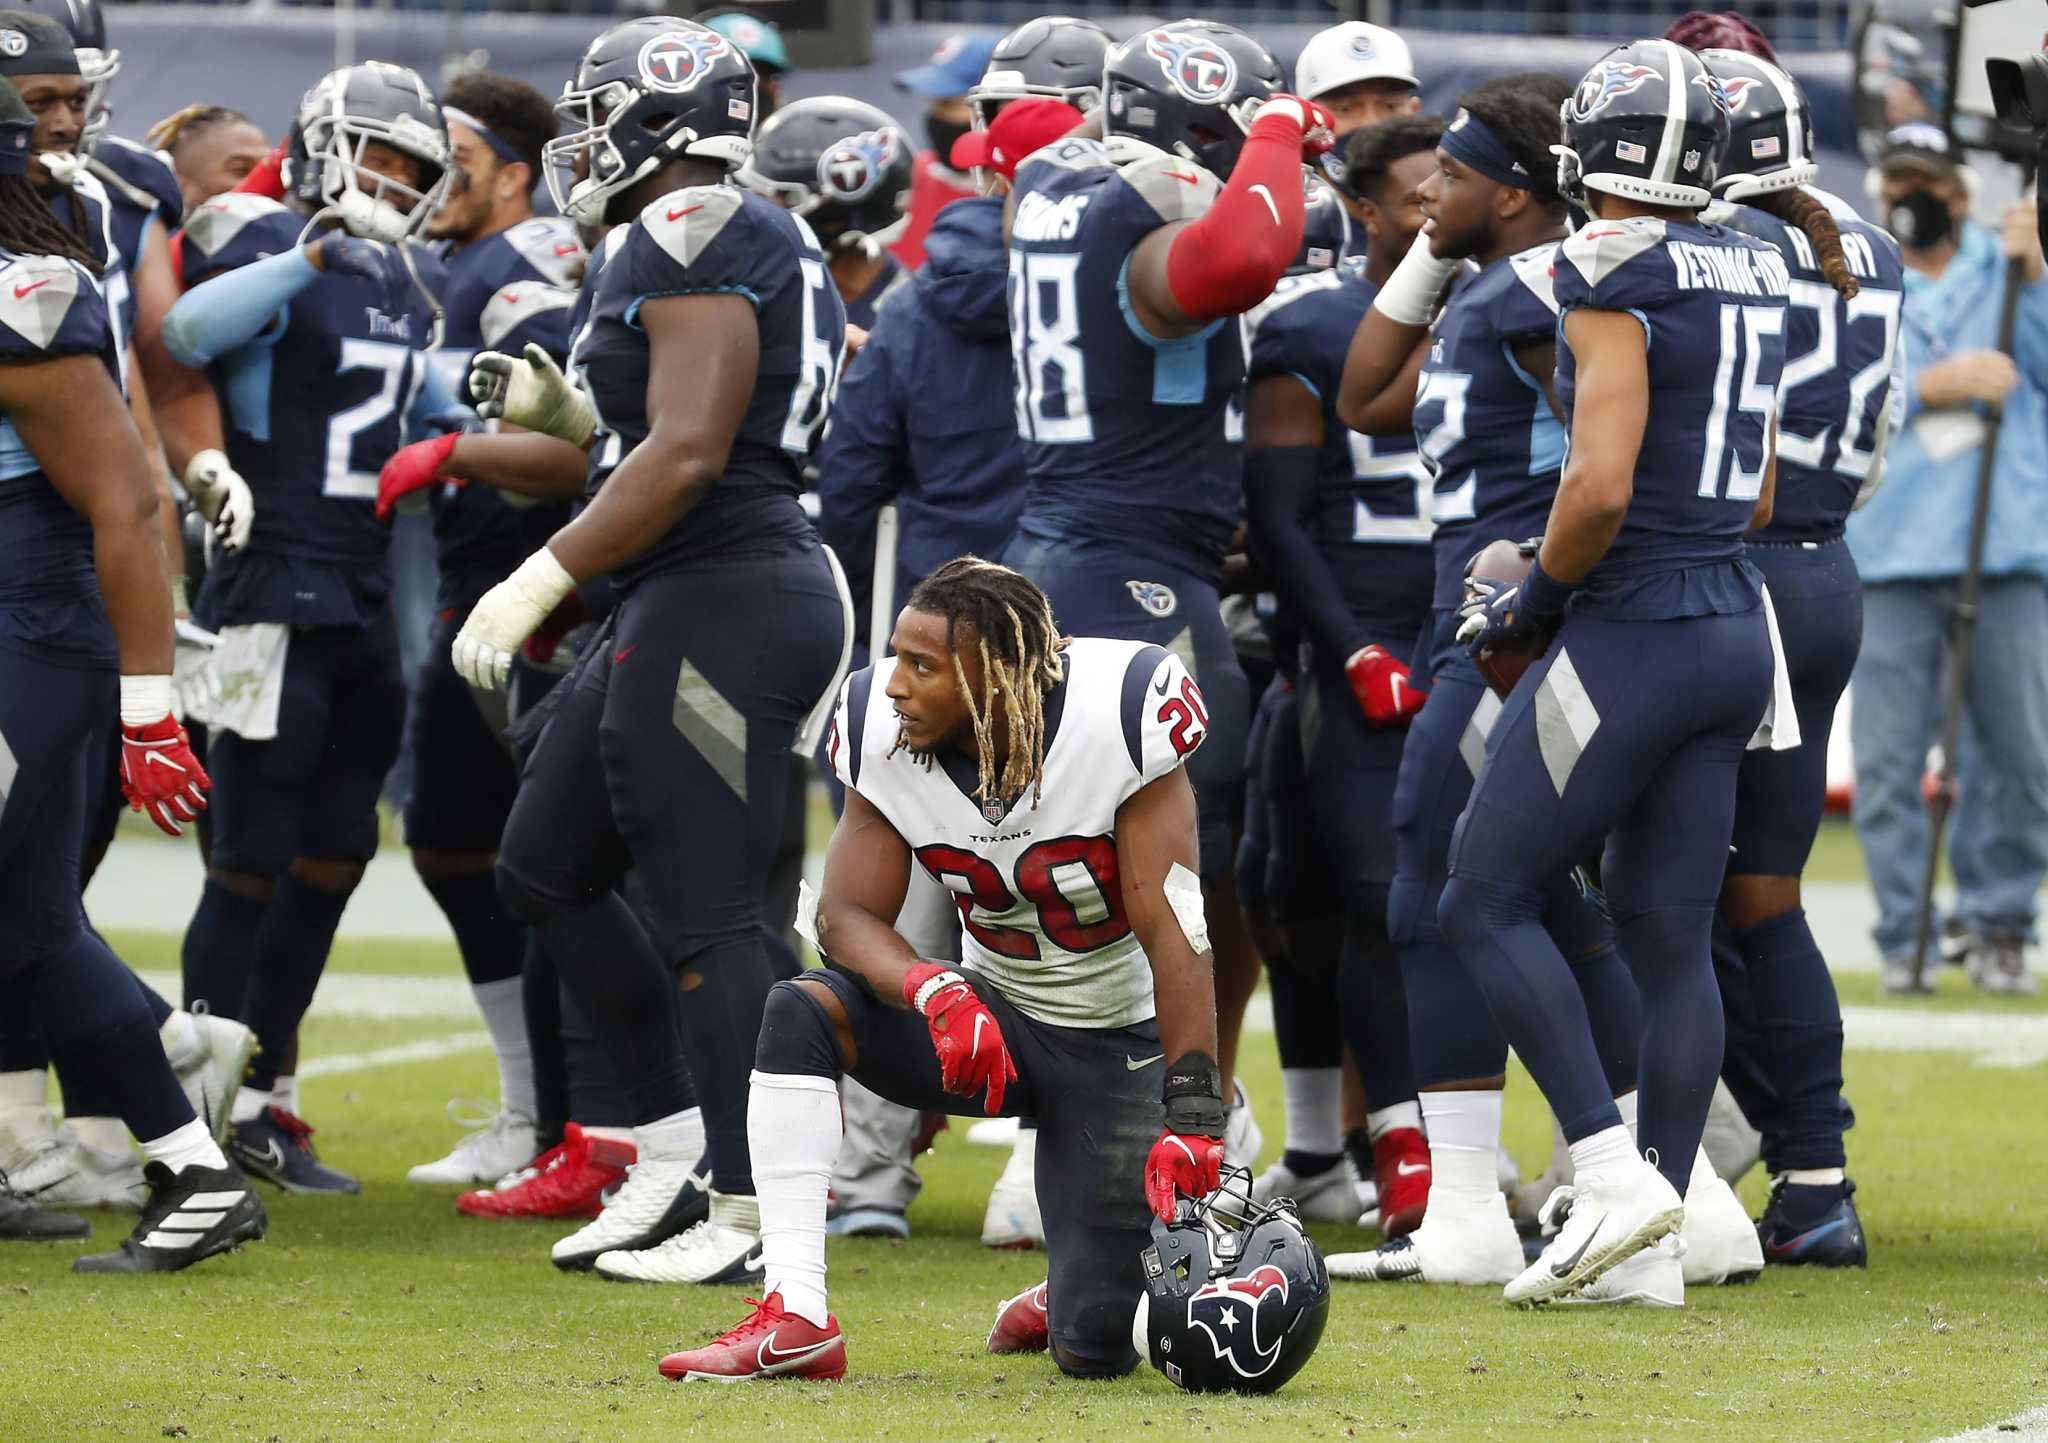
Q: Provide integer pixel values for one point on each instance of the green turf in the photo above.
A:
(391, 1316)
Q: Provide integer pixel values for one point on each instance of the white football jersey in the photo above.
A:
(1041, 900)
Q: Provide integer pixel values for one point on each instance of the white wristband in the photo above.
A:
(932, 987)
(1409, 297)
(144, 699)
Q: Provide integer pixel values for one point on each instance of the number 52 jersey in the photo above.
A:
(1037, 883)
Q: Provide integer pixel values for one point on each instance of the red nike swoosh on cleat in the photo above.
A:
(20, 291)
(686, 210)
(623, 652)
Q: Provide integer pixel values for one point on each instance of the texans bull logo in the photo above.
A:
(1199, 68)
(1613, 79)
(1241, 1317)
(850, 170)
(678, 60)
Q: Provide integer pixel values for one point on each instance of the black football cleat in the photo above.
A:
(190, 1216)
(1813, 1227)
(277, 1146)
(22, 1221)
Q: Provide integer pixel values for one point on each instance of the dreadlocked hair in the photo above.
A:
(1019, 647)
(1796, 207)
(190, 123)
(28, 227)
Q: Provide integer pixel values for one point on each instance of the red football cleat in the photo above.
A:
(1400, 1165)
(567, 1181)
(1021, 1324)
(767, 1343)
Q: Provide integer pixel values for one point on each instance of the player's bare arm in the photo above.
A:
(1607, 433)
(867, 873)
(1155, 834)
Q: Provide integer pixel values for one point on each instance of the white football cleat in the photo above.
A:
(1330, 1195)
(1720, 1240)
(64, 1172)
(1614, 1214)
(993, 1132)
(1733, 1146)
(210, 1064)
(1012, 1219)
(1464, 1244)
(724, 1248)
(1653, 1278)
(498, 1144)
(1241, 1136)
(660, 1198)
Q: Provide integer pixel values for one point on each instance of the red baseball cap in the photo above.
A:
(1019, 128)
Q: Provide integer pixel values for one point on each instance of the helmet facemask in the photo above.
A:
(97, 68)
(589, 143)
(369, 203)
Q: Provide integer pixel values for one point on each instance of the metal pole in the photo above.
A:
(344, 33)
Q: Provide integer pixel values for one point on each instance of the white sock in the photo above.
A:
(504, 1011)
(181, 1038)
(616, 1134)
(679, 1137)
(793, 1132)
(1023, 1154)
(1815, 1176)
(1315, 1109)
(1386, 1119)
(249, 1104)
(1464, 1139)
(286, 1093)
(188, 1146)
(107, 1134)
(24, 1089)
(1626, 1106)
(1608, 1153)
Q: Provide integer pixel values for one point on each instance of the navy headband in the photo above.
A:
(484, 133)
(1470, 141)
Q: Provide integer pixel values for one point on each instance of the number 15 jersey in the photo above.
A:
(1037, 882)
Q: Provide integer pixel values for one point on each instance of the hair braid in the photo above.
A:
(190, 123)
(1018, 646)
(1796, 207)
(28, 227)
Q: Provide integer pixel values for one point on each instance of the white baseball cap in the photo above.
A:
(1348, 53)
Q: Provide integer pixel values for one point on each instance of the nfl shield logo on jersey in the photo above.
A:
(1156, 597)
(993, 810)
(1200, 69)
(676, 61)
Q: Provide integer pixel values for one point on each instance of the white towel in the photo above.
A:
(246, 683)
(1779, 730)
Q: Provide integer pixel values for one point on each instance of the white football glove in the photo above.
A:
(509, 613)
(532, 393)
(222, 497)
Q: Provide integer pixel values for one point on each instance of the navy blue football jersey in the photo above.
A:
(97, 225)
(313, 408)
(1838, 376)
(143, 189)
(1712, 306)
(1484, 424)
(1125, 435)
(862, 309)
(1371, 520)
(512, 288)
(710, 240)
(49, 593)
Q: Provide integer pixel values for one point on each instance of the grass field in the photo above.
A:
(391, 1316)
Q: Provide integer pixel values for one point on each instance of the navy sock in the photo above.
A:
(721, 1016)
(492, 941)
(98, 1025)
(1311, 1164)
(289, 956)
(1452, 1036)
(1668, 950)
(1306, 1025)
(219, 944)
(1800, 1022)
(1745, 1061)
(540, 996)
(86, 1093)
(1615, 1009)
(597, 1098)
(1374, 1004)
(1533, 996)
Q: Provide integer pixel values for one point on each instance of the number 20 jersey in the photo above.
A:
(1125, 435)
(1039, 891)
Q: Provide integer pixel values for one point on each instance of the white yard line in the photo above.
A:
(427, 1049)
(2028, 1427)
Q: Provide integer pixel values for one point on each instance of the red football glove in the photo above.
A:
(160, 775)
(414, 468)
(1318, 126)
(1381, 685)
(1178, 1166)
(965, 1034)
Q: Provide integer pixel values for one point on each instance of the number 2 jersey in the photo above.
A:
(1126, 436)
(312, 405)
(1040, 895)
(717, 240)
(1712, 307)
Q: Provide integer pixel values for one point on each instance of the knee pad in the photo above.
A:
(525, 895)
(797, 1035)
(1470, 909)
(1411, 912)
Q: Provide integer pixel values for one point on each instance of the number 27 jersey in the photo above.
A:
(1037, 883)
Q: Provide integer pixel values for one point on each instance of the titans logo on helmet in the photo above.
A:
(1720, 91)
(1612, 80)
(1155, 596)
(1199, 69)
(1230, 1311)
(1737, 90)
(677, 60)
(850, 170)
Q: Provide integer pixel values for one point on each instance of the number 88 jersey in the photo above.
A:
(1037, 881)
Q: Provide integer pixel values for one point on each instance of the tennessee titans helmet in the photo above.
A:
(1191, 87)
(1770, 129)
(1325, 229)
(1055, 55)
(1650, 122)
(340, 117)
(841, 164)
(1236, 1293)
(98, 62)
(645, 93)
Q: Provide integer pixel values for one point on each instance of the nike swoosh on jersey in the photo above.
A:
(1190, 179)
(623, 652)
(1563, 1266)
(686, 210)
(1267, 196)
(1160, 686)
(21, 291)
(1132, 1064)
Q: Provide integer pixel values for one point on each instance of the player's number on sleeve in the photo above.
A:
(1071, 882)
(1045, 336)
(1743, 331)
(1871, 304)
(817, 370)
(346, 479)
(1186, 717)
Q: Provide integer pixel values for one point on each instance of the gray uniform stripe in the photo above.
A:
(1565, 720)
(1183, 646)
(1674, 111)
(713, 726)
(8, 767)
(1478, 726)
